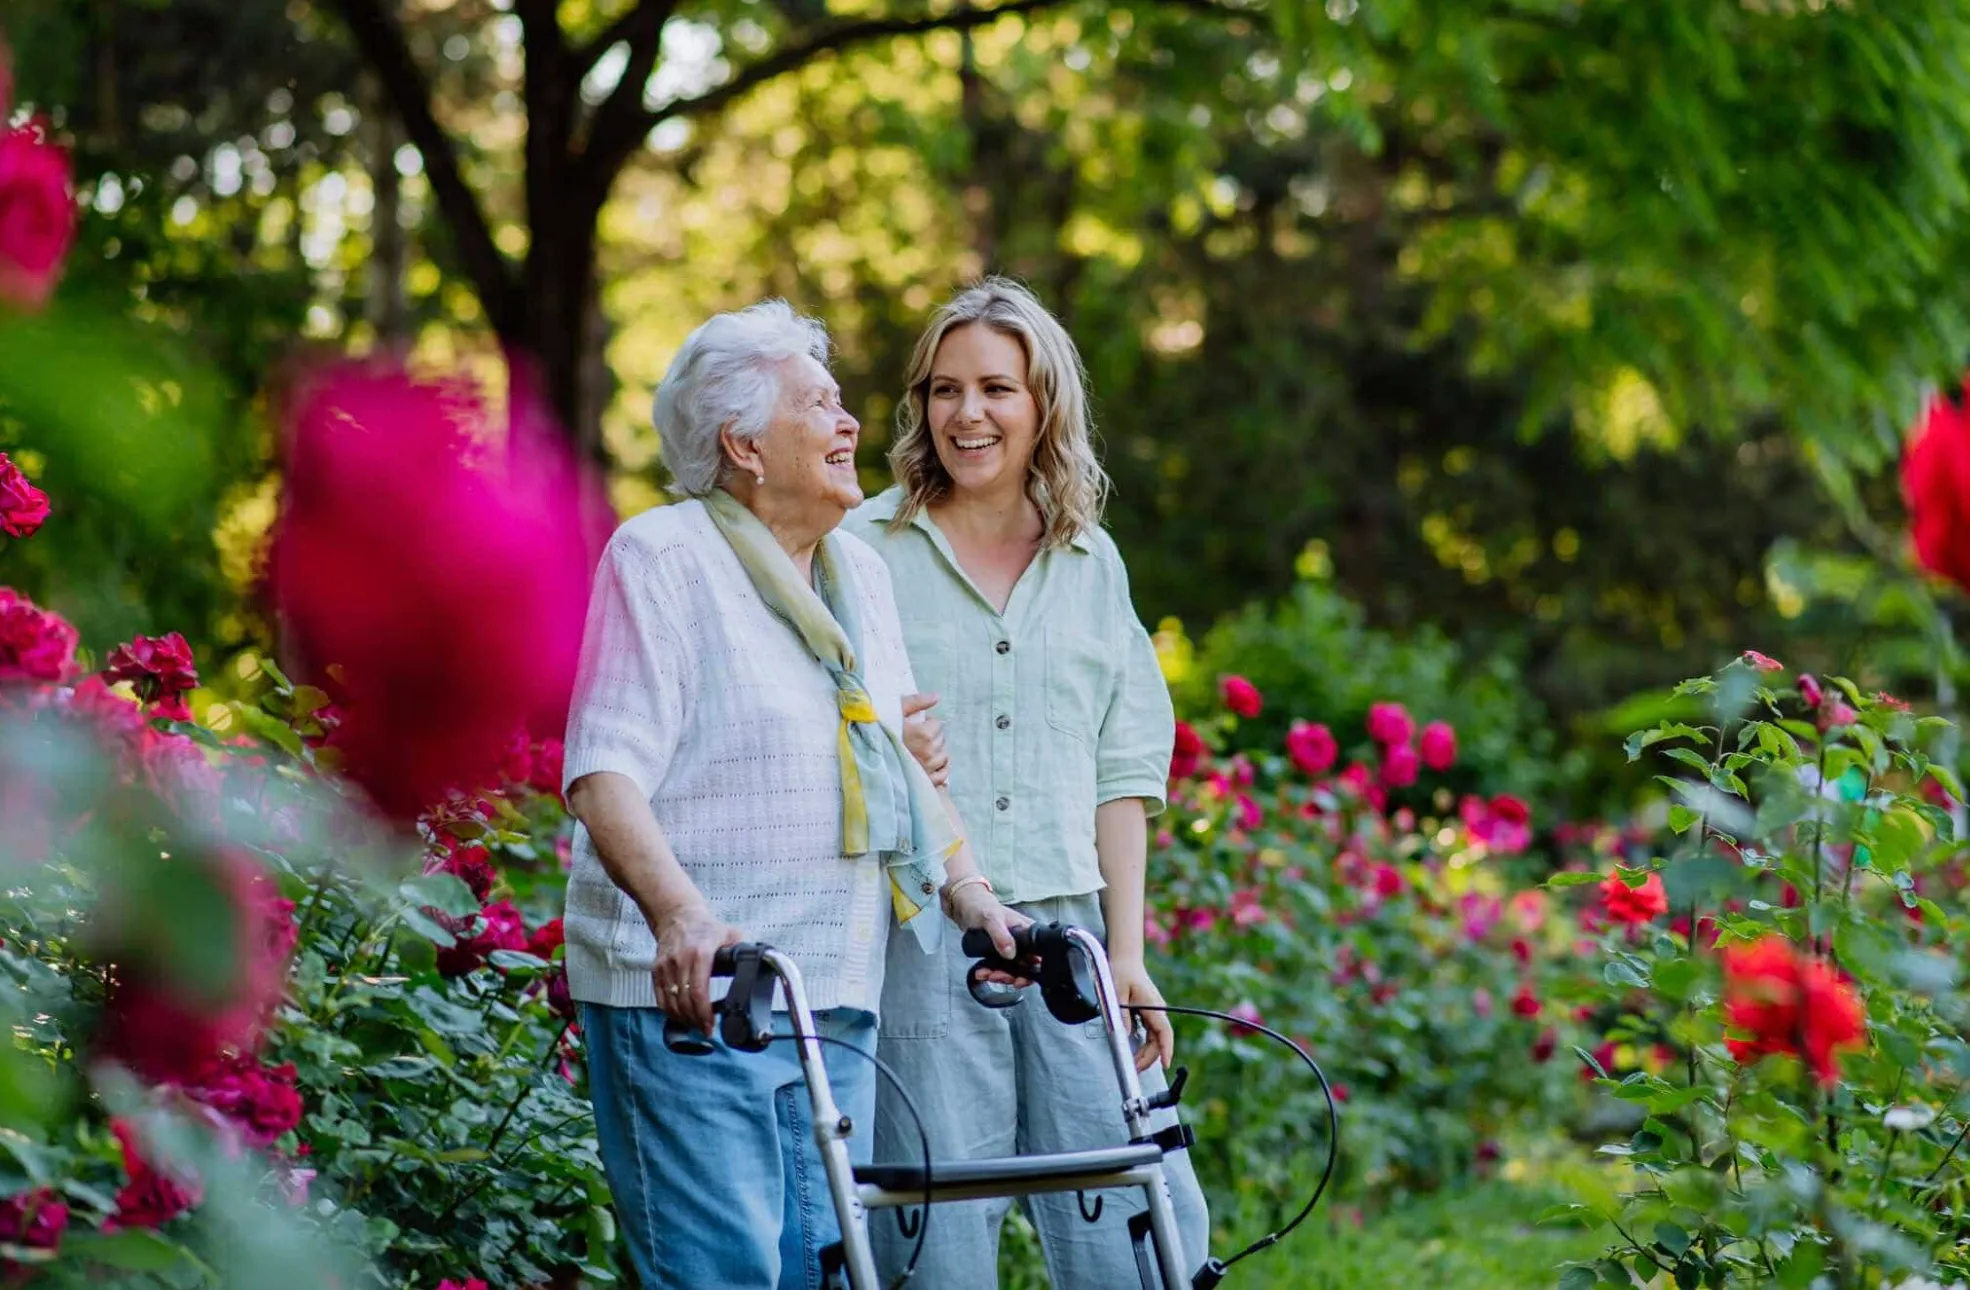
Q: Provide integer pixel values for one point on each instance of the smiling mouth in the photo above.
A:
(973, 443)
(844, 457)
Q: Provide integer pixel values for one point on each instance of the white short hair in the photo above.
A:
(726, 374)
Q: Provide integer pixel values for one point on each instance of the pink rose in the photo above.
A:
(23, 507)
(1809, 690)
(37, 215)
(503, 930)
(35, 644)
(159, 668)
(1399, 765)
(1246, 1012)
(1761, 662)
(1241, 696)
(1439, 746)
(1390, 723)
(1312, 748)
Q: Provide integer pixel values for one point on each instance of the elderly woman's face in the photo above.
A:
(984, 419)
(809, 447)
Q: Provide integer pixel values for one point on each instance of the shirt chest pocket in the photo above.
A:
(1079, 677)
(932, 648)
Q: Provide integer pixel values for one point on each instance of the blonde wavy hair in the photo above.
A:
(1066, 480)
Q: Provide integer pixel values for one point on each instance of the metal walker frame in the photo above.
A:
(1078, 986)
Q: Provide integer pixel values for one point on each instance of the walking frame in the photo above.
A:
(1077, 986)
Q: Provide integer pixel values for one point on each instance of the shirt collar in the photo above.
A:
(883, 507)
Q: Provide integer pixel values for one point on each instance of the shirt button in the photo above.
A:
(929, 887)
(1004, 722)
(1004, 647)
(1004, 803)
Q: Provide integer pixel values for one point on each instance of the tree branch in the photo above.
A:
(381, 42)
(627, 26)
(609, 148)
(620, 114)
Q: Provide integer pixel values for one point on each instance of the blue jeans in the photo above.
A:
(712, 1160)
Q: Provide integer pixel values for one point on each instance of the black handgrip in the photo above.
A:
(977, 943)
(687, 1040)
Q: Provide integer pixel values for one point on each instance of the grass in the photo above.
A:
(1483, 1238)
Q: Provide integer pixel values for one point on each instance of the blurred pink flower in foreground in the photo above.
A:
(440, 565)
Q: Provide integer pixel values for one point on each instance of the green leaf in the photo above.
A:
(1578, 1278)
(1673, 1238)
(1592, 1064)
(1673, 978)
(1681, 818)
(1572, 878)
(133, 1250)
(421, 923)
(444, 892)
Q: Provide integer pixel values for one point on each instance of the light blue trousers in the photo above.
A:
(1001, 1082)
(712, 1160)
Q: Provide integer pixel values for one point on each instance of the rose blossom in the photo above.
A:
(1625, 904)
(260, 1100)
(1936, 488)
(1390, 723)
(1399, 765)
(23, 507)
(153, 1196)
(1187, 754)
(35, 644)
(1788, 1002)
(37, 214)
(472, 865)
(1438, 744)
(1241, 696)
(1761, 662)
(398, 530)
(1312, 748)
(504, 930)
(33, 1219)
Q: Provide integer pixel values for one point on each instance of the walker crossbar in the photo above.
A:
(1075, 980)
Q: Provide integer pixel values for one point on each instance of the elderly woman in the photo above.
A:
(734, 758)
(1016, 612)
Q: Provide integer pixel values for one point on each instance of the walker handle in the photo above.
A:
(735, 1007)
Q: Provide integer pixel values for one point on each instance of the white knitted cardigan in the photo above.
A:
(706, 699)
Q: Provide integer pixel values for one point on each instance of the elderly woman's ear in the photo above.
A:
(742, 455)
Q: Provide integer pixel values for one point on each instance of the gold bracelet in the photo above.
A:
(953, 889)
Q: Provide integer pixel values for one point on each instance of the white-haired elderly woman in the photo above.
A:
(1017, 616)
(734, 759)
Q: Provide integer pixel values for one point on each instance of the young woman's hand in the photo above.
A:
(1133, 985)
(923, 735)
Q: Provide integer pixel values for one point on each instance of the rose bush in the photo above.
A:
(1788, 948)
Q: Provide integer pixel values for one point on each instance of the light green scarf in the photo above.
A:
(888, 804)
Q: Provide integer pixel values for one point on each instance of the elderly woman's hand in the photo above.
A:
(976, 907)
(687, 938)
(923, 735)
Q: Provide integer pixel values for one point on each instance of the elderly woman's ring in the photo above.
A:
(672, 988)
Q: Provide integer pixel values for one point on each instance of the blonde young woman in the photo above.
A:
(1053, 732)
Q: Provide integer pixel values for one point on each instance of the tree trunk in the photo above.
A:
(387, 307)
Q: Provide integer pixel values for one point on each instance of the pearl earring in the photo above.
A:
(760, 480)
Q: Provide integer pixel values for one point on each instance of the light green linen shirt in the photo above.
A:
(1049, 710)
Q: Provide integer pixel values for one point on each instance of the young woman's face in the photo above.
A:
(984, 419)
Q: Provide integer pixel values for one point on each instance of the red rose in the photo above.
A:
(37, 214)
(1788, 1002)
(152, 1197)
(159, 668)
(1388, 881)
(547, 938)
(1545, 1045)
(1438, 746)
(1390, 723)
(1936, 487)
(398, 528)
(1241, 696)
(23, 507)
(558, 996)
(35, 644)
(549, 759)
(1312, 748)
(1399, 765)
(1625, 904)
(260, 1100)
(503, 929)
(1187, 754)
(472, 1283)
(34, 1219)
(1525, 1003)
(472, 865)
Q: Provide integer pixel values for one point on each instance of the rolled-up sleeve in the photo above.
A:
(1132, 754)
(633, 686)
